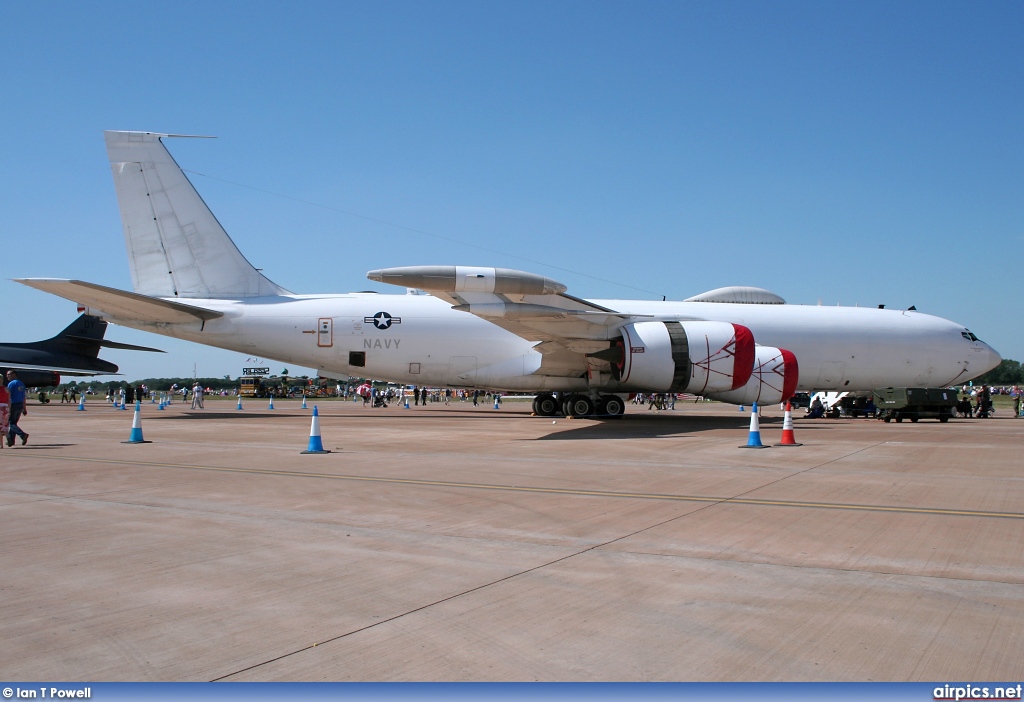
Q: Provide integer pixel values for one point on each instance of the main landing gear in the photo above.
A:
(578, 405)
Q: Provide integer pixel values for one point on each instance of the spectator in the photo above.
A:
(5, 412)
(17, 389)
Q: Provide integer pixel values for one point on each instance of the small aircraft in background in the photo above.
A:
(75, 351)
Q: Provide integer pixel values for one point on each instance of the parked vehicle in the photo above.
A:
(915, 403)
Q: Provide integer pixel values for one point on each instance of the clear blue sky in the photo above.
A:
(847, 152)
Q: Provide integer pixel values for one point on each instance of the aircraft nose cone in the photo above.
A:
(993, 359)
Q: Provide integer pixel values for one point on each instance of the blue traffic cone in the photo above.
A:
(497, 401)
(239, 402)
(304, 402)
(406, 396)
(81, 403)
(316, 444)
(271, 404)
(124, 406)
(742, 409)
(754, 439)
(136, 436)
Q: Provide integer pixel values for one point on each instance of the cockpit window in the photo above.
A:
(968, 335)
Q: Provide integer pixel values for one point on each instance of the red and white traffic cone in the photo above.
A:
(788, 439)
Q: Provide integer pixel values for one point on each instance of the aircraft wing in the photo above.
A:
(530, 306)
(56, 369)
(121, 304)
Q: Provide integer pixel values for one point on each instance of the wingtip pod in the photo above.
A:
(504, 281)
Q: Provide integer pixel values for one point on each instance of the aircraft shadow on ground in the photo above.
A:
(640, 427)
(226, 415)
(663, 426)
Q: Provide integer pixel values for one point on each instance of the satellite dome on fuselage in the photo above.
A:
(739, 294)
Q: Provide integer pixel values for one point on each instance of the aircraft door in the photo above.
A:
(325, 332)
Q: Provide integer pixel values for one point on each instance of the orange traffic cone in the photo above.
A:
(788, 439)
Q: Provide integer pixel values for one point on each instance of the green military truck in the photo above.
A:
(915, 403)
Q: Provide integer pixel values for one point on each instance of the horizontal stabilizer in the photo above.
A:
(117, 345)
(120, 304)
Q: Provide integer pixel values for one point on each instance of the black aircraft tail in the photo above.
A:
(84, 337)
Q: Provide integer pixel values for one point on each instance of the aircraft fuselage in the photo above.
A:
(420, 340)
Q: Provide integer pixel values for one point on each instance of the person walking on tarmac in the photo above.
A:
(5, 413)
(16, 388)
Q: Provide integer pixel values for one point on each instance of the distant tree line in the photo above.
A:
(161, 384)
(215, 384)
(1009, 372)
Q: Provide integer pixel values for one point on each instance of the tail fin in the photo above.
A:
(83, 336)
(176, 247)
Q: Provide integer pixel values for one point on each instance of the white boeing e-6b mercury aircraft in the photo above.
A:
(497, 328)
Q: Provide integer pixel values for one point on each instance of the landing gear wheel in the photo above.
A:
(914, 417)
(578, 406)
(545, 405)
(610, 406)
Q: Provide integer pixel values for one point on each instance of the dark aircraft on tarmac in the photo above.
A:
(74, 351)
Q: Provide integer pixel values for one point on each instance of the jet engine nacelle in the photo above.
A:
(34, 378)
(773, 380)
(695, 357)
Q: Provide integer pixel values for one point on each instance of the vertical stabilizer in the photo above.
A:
(176, 247)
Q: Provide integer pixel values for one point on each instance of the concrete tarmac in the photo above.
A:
(453, 543)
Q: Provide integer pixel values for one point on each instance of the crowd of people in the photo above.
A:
(374, 396)
(976, 401)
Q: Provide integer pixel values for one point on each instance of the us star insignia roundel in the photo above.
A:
(382, 320)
